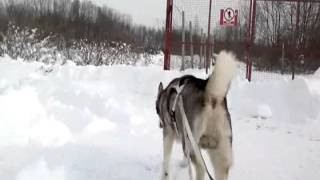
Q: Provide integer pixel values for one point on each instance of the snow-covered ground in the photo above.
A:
(99, 123)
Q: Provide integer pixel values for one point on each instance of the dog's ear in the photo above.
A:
(160, 88)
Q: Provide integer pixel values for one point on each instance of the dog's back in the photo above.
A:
(193, 98)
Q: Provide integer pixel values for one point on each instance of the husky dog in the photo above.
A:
(206, 109)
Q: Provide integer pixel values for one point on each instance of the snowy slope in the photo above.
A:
(98, 123)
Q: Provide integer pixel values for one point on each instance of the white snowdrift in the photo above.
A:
(317, 73)
(285, 100)
(81, 123)
(40, 170)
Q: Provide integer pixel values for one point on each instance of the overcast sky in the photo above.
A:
(148, 12)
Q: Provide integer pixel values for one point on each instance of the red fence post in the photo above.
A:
(253, 29)
(168, 43)
(208, 52)
(296, 36)
(250, 37)
(248, 43)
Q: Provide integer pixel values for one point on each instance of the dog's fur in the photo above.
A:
(207, 112)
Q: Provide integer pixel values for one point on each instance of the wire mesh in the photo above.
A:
(281, 28)
(198, 27)
(197, 36)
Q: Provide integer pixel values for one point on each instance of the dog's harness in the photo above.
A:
(187, 133)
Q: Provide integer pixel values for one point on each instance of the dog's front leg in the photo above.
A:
(168, 138)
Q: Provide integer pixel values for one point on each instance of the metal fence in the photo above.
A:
(267, 35)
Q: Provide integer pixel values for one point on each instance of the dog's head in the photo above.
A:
(164, 103)
(159, 103)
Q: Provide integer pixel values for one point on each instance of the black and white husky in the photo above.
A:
(205, 105)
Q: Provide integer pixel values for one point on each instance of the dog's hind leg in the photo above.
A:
(168, 138)
(198, 167)
(221, 158)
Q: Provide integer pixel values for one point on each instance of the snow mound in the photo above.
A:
(25, 120)
(280, 100)
(50, 133)
(80, 123)
(264, 111)
(40, 170)
(99, 125)
(317, 73)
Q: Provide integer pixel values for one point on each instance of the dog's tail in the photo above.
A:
(224, 71)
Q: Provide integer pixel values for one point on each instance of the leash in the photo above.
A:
(178, 90)
(187, 133)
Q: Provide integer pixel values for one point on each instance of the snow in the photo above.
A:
(87, 122)
(317, 73)
(314, 83)
(288, 100)
(264, 111)
(41, 170)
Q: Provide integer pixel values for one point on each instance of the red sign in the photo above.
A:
(228, 17)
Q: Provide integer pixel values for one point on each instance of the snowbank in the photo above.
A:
(317, 73)
(80, 123)
(285, 100)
